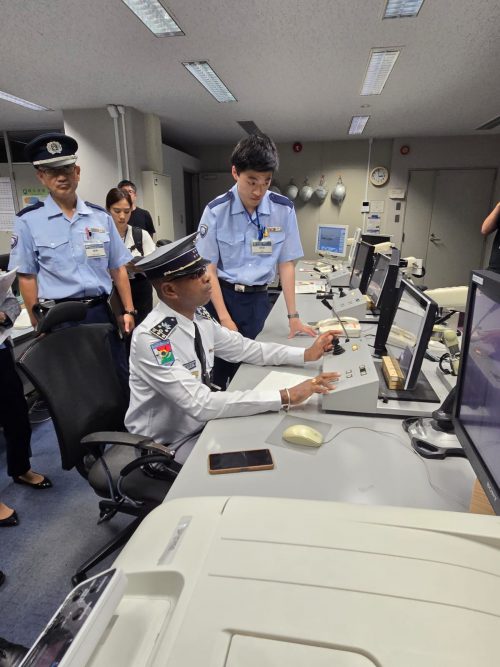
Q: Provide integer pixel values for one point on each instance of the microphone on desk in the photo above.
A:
(337, 347)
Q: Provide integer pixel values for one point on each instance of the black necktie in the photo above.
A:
(200, 353)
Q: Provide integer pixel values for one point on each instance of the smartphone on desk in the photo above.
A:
(252, 459)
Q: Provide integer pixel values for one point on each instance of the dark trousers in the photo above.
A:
(249, 312)
(14, 416)
(142, 296)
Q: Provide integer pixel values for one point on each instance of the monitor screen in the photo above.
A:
(476, 413)
(332, 240)
(362, 267)
(411, 330)
(377, 279)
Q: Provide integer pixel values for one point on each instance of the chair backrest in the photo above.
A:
(73, 370)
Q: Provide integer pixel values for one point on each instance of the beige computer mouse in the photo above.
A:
(300, 434)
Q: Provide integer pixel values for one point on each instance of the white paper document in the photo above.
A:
(276, 380)
(6, 280)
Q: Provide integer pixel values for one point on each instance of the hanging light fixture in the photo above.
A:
(338, 193)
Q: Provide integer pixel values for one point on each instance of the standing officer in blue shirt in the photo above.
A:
(66, 249)
(246, 234)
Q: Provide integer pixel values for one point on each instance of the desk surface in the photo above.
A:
(369, 461)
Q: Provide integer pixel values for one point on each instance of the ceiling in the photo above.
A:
(295, 67)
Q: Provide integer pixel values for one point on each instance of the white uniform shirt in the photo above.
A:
(168, 401)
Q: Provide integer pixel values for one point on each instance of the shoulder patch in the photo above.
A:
(13, 241)
(163, 354)
(221, 200)
(99, 208)
(33, 207)
(203, 230)
(203, 312)
(164, 328)
(280, 199)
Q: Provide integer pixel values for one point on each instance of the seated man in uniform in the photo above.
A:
(172, 356)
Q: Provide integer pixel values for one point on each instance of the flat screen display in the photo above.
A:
(362, 267)
(478, 406)
(377, 280)
(410, 331)
(332, 240)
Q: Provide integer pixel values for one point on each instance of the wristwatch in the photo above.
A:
(130, 312)
(293, 316)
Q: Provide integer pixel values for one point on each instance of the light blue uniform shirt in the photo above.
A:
(46, 244)
(226, 235)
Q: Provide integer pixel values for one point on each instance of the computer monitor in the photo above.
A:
(476, 414)
(352, 249)
(411, 330)
(332, 240)
(362, 267)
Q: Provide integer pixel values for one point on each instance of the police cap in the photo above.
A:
(175, 260)
(52, 149)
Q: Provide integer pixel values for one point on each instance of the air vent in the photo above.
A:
(249, 126)
(495, 122)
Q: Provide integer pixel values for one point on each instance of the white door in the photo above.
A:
(443, 219)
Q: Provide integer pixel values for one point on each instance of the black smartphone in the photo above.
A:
(252, 459)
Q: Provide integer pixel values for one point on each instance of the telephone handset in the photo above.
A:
(351, 325)
(401, 337)
(333, 322)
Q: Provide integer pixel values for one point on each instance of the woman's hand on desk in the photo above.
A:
(321, 384)
(321, 345)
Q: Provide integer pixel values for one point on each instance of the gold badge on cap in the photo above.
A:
(54, 147)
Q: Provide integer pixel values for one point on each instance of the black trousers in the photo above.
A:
(14, 416)
(249, 312)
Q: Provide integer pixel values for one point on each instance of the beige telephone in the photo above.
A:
(400, 337)
(351, 325)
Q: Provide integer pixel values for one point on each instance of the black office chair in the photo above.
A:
(72, 368)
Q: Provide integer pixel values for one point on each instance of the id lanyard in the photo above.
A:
(262, 231)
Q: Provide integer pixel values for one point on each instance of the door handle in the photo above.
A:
(434, 238)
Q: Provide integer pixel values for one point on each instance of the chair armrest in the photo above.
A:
(141, 461)
(124, 438)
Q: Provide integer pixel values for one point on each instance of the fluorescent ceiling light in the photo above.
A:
(380, 66)
(202, 71)
(398, 9)
(155, 17)
(358, 124)
(22, 103)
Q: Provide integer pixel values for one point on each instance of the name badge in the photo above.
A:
(95, 250)
(262, 247)
(275, 229)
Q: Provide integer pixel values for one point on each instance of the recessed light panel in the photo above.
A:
(358, 124)
(380, 66)
(202, 71)
(155, 17)
(22, 103)
(399, 9)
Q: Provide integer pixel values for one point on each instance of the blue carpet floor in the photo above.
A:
(57, 531)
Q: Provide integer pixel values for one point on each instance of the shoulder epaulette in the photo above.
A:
(164, 328)
(99, 208)
(280, 199)
(221, 200)
(33, 207)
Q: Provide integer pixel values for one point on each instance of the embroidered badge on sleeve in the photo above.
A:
(163, 353)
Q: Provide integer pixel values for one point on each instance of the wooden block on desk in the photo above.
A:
(392, 373)
(479, 503)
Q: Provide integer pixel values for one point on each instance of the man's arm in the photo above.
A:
(286, 271)
(122, 284)
(218, 300)
(490, 223)
(28, 286)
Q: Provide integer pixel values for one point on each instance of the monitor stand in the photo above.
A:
(421, 393)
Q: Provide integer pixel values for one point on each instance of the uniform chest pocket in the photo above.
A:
(231, 244)
(52, 251)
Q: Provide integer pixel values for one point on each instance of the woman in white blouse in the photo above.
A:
(139, 242)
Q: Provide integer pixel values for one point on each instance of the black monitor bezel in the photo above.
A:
(367, 268)
(490, 284)
(381, 257)
(431, 309)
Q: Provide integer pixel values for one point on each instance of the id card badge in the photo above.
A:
(95, 250)
(264, 247)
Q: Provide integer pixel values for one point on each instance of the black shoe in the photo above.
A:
(44, 484)
(11, 520)
(11, 654)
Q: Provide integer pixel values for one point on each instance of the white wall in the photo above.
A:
(175, 163)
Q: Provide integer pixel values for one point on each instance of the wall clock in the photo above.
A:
(379, 176)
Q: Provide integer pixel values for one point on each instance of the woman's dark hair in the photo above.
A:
(115, 195)
(256, 152)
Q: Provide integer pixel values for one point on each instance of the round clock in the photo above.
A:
(379, 176)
